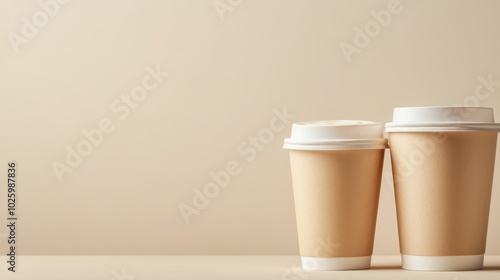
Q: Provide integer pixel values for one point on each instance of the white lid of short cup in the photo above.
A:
(336, 135)
(441, 118)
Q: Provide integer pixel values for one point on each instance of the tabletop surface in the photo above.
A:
(216, 267)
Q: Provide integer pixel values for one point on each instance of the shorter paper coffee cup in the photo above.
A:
(336, 173)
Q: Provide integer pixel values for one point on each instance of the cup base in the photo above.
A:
(347, 263)
(442, 263)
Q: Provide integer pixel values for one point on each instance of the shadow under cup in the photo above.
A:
(336, 178)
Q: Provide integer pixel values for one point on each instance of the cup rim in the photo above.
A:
(337, 144)
(442, 126)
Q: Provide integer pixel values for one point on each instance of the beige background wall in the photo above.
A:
(227, 77)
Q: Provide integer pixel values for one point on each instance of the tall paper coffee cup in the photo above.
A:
(336, 172)
(443, 160)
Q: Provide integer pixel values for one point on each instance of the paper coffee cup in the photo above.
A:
(443, 161)
(336, 172)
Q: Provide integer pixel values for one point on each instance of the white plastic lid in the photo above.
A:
(408, 119)
(336, 135)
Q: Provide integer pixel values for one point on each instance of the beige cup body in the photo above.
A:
(442, 184)
(336, 199)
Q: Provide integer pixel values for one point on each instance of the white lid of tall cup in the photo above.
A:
(442, 118)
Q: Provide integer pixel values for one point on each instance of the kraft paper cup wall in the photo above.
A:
(336, 172)
(443, 160)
